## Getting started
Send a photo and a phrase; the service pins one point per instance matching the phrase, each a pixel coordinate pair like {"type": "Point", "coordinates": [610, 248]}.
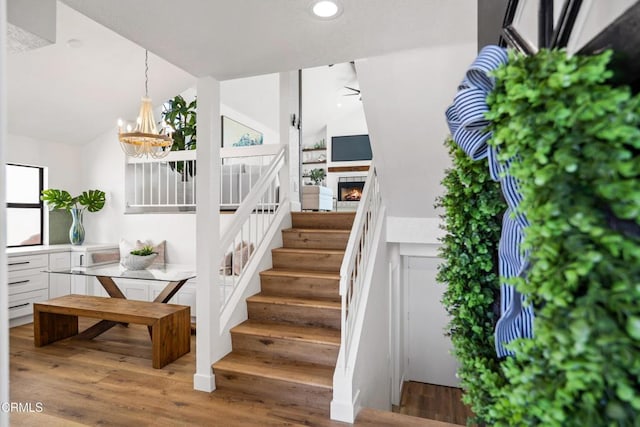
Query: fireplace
{"type": "Point", "coordinates": [350, 191]}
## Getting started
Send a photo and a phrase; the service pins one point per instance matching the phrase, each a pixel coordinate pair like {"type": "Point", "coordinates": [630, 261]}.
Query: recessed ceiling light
{"type": "Point", "coordinates": [326, 9]}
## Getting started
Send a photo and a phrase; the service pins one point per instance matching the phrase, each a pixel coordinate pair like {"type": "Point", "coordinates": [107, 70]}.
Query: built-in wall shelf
{"type": "Point", "coordinates": [314, 149]}
{"type": "Point", "coordinates": [318, 162]}
{"type": "Point", "coordinates": [349, 168]}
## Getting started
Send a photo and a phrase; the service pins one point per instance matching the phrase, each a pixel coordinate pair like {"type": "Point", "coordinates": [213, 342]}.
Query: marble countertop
{"type": "Point", "coordinates": [48, 249]}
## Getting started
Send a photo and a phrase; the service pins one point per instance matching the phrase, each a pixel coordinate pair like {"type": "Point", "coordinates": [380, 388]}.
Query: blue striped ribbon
{"type": "Point", "coordinates": [468, 126]}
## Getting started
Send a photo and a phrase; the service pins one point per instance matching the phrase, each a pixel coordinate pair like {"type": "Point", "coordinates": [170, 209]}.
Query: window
{"type": "Point", "coordinates": [24, 207]}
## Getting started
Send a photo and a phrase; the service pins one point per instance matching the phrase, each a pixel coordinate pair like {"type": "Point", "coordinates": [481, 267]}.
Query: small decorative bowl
{"type": "Point", "coordinates": [137, 262]}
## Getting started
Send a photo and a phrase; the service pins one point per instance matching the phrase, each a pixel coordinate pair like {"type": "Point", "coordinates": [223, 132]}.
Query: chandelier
{"type": "Point", "coordinates": [144, 140]}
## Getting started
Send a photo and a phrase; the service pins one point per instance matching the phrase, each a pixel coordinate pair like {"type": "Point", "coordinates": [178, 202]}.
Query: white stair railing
{"type": "Point", "coordinates": [356, 276]}
{"type": "Point", "coordinates": [251, 223]}
{"type": "Point", "coordinates": [169, 184]}
{"type": "Point", "coordinates": [355, 263]}
{"type": "Point", "coordinates": [241, 169]}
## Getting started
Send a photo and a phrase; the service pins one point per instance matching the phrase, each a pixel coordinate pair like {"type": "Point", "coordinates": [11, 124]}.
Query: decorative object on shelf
{"type": "Point", "coordinates": [180, 116]}
{"type": "Point", "coordinates": [139, 259]}
{"type": "Point", "coordinates": [235, 134]}
{"type": "Point", "coordinates": [92, 200]}
{"type": "Point", "coordinates": [144, 140]}
{"type": "Point", "coordinates": [317, 175]}
{"type": "Point", "coordinates": [322, 144]}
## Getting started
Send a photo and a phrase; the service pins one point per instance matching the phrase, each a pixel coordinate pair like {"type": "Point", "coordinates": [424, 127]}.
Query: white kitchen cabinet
{"type": "Point", "coordinates": [59, 284]}
{"type": "Point", "coordinates": [134, 289]}
{"type": "Point", "coordinates": [27, 283]}
{"type": "Point", "coordinates": [185, 296]}
{"type": "Point", "coordinates": [83, 257]}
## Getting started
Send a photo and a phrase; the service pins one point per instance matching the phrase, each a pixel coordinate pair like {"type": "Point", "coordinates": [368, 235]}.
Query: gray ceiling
{"type": "Point", "coordinates": [237, 38]}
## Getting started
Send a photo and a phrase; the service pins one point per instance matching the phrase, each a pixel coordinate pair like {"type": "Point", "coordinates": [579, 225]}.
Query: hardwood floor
{"type": "Point", "coordinates": [434, 402]}
{"type": "Point", "coordinates": [109, 381]}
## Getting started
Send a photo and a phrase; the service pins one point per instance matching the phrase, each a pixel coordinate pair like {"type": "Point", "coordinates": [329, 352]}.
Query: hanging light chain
{"type": "Point", "coordinates": [146, 73]}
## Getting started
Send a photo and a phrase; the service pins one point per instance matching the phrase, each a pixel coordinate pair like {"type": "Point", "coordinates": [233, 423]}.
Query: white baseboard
{"type": "Point", "coordinates": [346, 411]}
{"type": "Point", "coordinates": [205, 383]}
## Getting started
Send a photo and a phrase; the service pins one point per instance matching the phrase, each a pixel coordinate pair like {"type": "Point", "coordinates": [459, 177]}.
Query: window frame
{"type": "Point", "coordinates": [39, 205]}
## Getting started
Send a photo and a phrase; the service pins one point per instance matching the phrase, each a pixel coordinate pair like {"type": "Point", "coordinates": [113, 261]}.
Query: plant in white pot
{"type": "Point", "coordinates": [139, 259]}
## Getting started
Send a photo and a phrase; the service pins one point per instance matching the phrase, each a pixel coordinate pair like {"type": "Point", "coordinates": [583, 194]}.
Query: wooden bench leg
{"type": "Point", "coordinates": [51, 327]}
{"type": "Point", "coordinates": [171, 338]}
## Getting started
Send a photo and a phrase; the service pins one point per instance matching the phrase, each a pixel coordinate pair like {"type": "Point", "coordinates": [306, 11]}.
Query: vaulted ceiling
{"type": "Point", "coordinates": [76, 89]}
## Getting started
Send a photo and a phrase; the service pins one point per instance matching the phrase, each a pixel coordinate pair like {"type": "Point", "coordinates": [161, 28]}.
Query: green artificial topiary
{"type": "Point", "coordinates": [473, 208]}
{"type": "Point", "coordinates": [574, 142]}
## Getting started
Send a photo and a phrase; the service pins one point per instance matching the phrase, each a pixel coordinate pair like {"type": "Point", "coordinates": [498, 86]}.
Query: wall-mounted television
{"type": "Point", "coordinates": [350, 148]}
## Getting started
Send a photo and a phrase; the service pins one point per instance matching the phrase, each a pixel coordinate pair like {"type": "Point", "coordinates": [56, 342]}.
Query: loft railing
{"type": "Point", "coordinates": [241, 169]}
{"type": "Point", "coordinates": [161, 185]}
{"type": "Point", "coordinates": [169, 184]}
{"type": "Point", "coordinates": [251, 223]}
{"type": "Point", "coordinates": [356, 262]}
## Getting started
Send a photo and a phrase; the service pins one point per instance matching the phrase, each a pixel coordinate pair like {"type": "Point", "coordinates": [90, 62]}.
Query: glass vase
{"type": "Point", "coordinates": [76, 232]}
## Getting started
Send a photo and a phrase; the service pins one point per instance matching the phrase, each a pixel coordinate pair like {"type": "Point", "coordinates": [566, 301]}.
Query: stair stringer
{"type": "Point", "coordinates": [346, 401]}
{"type": "Point", "coordinates": [235, 311]}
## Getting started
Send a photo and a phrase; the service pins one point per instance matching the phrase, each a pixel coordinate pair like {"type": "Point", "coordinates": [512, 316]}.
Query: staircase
{"type": "Point", "coordinates": [286, 351]}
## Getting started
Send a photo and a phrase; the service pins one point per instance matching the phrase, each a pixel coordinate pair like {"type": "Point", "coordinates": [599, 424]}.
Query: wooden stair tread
{"type": "Point", "coordinates": [312, 274]}
{"type": "Point", "coordinates": [294, 301]}
{"type": "Point", "coordinates": [323, 220]}
{"type": "Point", "coordinates": [316, 230]}
{"type": "Point", "coordinates": [376, 417]}
{"type": "Point", "coordinates": [312, 334]}
{"type": "Point", "coordinates": [310, 251]}
{"type": "Point", "coordinates": [278, 369]}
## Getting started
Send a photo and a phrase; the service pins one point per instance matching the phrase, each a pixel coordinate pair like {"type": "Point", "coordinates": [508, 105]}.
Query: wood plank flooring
{"type": "Point", "coordinates": [434, 402]}
{"type": "Point", "coordinates": [109, 381]}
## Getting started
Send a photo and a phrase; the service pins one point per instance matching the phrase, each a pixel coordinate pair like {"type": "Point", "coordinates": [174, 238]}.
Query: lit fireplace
{"type": "Point", "coordinates": [350, 191]}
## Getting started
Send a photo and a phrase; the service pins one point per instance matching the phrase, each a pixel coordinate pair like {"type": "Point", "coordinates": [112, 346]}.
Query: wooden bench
{"type": "Point", "coordinates": [169, 324]}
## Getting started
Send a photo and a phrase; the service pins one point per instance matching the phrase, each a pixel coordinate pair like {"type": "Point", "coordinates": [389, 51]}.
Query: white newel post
{"type": "Point", "coordinates": [207, 233]}
{"type": "Point", "coordinates": [4, 292]}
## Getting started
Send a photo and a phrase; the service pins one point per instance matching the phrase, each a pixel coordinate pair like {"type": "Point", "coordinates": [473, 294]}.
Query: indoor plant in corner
{"type": "Point", "coordinates": [92, 200]}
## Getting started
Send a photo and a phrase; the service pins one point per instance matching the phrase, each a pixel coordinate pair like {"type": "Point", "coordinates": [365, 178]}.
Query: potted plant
{"type": "Point", "coordinates": [317, 176]}
{"type": "Point", "coordinates": [180, 116]}
{"type": "Point", "coordinates": [91, 200]}
{"type": "Point", "coordinates": [139, 259]}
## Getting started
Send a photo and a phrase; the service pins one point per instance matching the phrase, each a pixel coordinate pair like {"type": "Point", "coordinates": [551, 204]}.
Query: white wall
{"type": "Point", "coordinates": [405, 96]}
{"type": "Point", "coordinates": [372, 372]}
{"type": "Point", "coordinates": [256, 97]}
{"type": "Point", "coordinates": [63, 161]}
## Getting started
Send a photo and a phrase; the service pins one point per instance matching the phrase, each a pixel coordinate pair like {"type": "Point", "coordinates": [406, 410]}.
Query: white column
{"type": "Point", "coordinates": [289, 136]}
{"type": "Point", "coordinates": [4, 293]}
{"type": "Point", "coordinates": [207, 233]}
